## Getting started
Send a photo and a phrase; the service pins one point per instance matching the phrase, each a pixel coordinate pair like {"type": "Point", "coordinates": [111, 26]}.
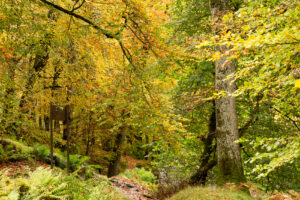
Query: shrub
{"type": "Point", "coordinates": [77, 160]}
{"type": "Point", "coordinates": [42, 153]}
{"type": "Point", "coordinates": [142, 176]}
{"type": "Point", "coordinates": [141, 173]}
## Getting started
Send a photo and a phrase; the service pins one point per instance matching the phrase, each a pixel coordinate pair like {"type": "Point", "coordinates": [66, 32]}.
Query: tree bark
{"type": "Point", "coordinates": [229, 155]}
{"type": "Point", "coordinates": [113, 168]}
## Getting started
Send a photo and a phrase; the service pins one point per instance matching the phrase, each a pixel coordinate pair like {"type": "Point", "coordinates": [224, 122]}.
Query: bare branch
{"type": "Point", "coordinates": [79, 6]}
{"type": "Point", "coordinates": [293, 121]}
{"type": "Point", "coordinates": [108, 34]}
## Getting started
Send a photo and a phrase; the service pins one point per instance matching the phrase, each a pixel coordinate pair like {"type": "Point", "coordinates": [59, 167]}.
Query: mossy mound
{"type": "Point", "coordinates": [210, 193]}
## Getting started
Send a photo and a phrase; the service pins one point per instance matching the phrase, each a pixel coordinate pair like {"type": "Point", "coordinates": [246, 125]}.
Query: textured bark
{"type": "Point", "coordinates": [229, 155]}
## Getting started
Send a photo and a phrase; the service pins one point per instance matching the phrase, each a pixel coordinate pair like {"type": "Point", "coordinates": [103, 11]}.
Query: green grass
{"type": "Point", "coordinates": [209, 193]}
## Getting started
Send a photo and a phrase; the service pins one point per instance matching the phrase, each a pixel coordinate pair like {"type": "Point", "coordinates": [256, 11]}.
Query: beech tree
{"type": "Point", "coordinates": [229, 155]}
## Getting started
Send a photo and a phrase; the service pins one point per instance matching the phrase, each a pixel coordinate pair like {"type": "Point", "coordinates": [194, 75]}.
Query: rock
{"type": "Point", "coordinates": [129, 185]}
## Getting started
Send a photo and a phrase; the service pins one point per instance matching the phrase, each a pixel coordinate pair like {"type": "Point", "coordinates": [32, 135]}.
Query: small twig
{"type": "Point", "coordinates": [282, 43]}
{"type": "Point", "coordinates": [252, 119]}
{"type": "Point", "coordinates": [79, 6]}
{"type": "Point", "coordinates": [293, 121]}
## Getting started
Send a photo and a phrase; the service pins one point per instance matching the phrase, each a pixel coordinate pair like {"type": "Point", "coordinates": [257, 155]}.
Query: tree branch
{"type": "Point", "coordinates": [79, 6]}
{"type": "Point", "coordinates": [108, 34]}
{"type": "Point", "coordinates": [293, 121]}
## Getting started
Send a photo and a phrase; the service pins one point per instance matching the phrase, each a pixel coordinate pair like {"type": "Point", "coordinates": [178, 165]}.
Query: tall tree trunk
{"type": "Point", "coordinates": [229, 155]}
{"type": "Point", "coordinates": [113, 168]}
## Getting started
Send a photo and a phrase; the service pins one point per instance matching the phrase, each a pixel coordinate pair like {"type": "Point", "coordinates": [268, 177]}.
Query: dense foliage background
{"type": "Point", "coordinates": [140, 79]}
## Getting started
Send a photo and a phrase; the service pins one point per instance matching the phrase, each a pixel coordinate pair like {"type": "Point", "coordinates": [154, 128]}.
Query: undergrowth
{"type": "Point", "coordinates": [141, 176]}
{"type": "Point", "coordinates": [11, 150]}
{"type": "Point", "coordinates": [46, 184]}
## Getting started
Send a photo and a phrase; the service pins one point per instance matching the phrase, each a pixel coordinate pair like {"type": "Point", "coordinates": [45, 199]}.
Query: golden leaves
{"type": "Point", "coordinates": [297, 83]}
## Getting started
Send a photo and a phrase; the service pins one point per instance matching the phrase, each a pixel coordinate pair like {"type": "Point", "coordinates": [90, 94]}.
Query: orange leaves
{"type": "Point", "coordinates": [8, 54]}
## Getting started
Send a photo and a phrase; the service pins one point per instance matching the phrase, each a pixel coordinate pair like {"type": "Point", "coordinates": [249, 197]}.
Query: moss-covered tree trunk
{"type": "Point", "coordinates": [229, 155]}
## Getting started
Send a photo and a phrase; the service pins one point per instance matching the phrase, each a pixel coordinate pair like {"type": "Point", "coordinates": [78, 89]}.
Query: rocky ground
{"type": "Point", "coordinates": [131, 189]}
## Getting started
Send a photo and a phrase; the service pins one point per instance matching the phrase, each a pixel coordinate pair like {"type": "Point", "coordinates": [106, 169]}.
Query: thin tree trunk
{"type": "Point", "coordinates": [40, 122]}
{"type": "Point", "coordinates": [229, 155]}
{"type": "Point", "coordinates": [47, 123]}
{"type": "Point", "coordinates": [87, 149]}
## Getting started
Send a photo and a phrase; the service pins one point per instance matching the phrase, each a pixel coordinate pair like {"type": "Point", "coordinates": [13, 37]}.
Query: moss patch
{"type": "Point", "coordinates": [210, 193]}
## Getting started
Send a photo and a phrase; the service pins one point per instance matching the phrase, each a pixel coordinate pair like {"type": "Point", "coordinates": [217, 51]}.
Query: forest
{"type": "Point", "coordinates": [149, 99]}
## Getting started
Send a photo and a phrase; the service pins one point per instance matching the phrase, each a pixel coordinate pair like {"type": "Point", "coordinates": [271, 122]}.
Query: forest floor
{"type": "Point", "coordinates": [124, 186]}
{"type": "Point", "coordinates": [134, 191]}
{"type": "Point", "coordinates": [131, 189]}
{"type": "Point", "coordinates": [20, 167]}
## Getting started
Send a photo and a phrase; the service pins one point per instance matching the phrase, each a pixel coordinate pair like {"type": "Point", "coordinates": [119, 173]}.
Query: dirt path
{"type": "Point", "coordinates": [131, 189]}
